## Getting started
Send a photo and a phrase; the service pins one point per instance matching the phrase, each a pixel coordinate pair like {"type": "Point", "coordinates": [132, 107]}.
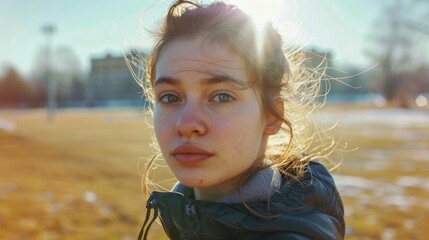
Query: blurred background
{"type": "Point", "coordinates": [73, 134]}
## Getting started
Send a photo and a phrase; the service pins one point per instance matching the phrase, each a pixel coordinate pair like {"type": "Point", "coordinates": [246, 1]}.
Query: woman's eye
{"type": "Point", "coordinates": [169, 98]}
{"type": "Point", "coordinates": [222, 98]}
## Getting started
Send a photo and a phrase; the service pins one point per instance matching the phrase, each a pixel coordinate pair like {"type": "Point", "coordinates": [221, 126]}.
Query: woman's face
{"type": "Point", "coordinates": [208, 122]}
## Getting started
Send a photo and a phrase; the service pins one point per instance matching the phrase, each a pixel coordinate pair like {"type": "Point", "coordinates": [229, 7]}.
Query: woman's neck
{"type": "Point", "coordinates": [219, 192]}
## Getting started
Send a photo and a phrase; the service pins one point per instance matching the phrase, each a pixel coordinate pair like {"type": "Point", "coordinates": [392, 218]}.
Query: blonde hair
{"type": "Point", "coordinates": [273, 71]}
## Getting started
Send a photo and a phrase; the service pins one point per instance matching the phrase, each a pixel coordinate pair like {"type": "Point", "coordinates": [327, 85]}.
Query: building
{"type": "Point", "coordinates": [111, 83]}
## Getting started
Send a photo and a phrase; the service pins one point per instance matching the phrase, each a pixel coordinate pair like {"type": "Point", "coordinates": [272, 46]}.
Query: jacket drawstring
{"type": "Point", "coordinates": [151, 204]}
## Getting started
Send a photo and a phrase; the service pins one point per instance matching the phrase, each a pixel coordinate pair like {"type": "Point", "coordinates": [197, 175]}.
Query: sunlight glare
{"type": "Point", "coordinates": [261, 11]}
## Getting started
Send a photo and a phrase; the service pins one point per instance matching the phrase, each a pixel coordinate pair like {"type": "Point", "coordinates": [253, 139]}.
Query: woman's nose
{"type": "Point", "coordinates": [191, 121]}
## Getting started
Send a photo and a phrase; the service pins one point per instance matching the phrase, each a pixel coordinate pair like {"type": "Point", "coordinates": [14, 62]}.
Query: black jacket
{"type": "Point", "coordinates": [307, 209]}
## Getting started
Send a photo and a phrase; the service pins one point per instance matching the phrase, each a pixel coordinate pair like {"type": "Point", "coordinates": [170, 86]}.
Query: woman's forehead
{"type": "Point", "coordinates": [198, 55]}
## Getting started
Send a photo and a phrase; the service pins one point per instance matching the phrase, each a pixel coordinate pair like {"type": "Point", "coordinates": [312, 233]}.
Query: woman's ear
{"type": "Point", "coordinates": [274, 124]}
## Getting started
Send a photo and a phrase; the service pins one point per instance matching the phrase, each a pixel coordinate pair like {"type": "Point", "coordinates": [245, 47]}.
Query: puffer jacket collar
{"type": "Point", "coordinates": [307, 209]}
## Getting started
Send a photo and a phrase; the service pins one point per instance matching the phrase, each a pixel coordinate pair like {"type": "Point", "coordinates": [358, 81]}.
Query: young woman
{"type": "Point", "coordinates": [231, 117]}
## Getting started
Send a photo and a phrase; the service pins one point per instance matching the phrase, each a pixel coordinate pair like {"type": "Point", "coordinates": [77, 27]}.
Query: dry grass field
{"type": "Point", "coordinates": [385, 182]}
{"type": "Point", "coordinates": [78, 176]}
{"type": "Point", "coordinates": [74, 178]}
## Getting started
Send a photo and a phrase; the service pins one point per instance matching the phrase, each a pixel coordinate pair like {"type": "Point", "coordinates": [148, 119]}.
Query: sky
{"type": "Point", "coordinates": [94, 28]}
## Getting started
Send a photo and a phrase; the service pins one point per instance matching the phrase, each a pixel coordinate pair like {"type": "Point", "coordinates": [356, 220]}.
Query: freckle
{"type": "Point", "coordinates": [201, 181]}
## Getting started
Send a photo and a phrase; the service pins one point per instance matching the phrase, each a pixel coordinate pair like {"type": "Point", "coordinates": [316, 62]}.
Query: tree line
{"type": "Point", "coordinates": [17, 92]}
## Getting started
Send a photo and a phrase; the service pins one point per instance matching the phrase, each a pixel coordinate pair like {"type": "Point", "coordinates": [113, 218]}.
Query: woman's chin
{"type": "Point", "coordinates": [194, 183]}
{"type": "Point", "coordinates": [193, 177]}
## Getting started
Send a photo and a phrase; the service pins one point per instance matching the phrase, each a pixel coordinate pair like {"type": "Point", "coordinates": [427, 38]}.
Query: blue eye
{"type": "Point", "coordinates": [169, 98]}
{"type": "Point", "coordinates": [222, 98]}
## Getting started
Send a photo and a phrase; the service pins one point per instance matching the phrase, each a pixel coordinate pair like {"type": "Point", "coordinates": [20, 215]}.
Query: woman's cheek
{"type": "Point", "coordinates": [160, 130]}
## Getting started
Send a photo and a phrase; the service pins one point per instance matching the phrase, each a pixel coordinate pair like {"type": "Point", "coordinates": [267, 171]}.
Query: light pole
{"type": "Point", "coordinates": [49, 30]}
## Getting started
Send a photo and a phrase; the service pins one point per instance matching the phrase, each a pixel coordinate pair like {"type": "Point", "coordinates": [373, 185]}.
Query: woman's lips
{"type": "Point", "coordinates": [190, 154]}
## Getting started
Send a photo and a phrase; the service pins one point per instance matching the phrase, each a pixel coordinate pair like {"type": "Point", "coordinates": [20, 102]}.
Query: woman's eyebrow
{"type": "Point", "coordinates": [166, 80]}
{"type": "Point", "coordinates": [224, 79]}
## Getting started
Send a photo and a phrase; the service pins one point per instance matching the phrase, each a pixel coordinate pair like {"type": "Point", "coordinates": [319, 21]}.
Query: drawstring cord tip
{"type": "Point", "coordinates": [151, 204]}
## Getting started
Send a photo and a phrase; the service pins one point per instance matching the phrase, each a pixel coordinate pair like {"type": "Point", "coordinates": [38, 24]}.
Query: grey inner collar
{"type": "Point", "coordinates": [259, 187]}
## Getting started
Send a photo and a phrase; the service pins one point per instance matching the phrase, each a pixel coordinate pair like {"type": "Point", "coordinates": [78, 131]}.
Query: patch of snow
{"type": "Point", "coordinates": [6, 125]}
